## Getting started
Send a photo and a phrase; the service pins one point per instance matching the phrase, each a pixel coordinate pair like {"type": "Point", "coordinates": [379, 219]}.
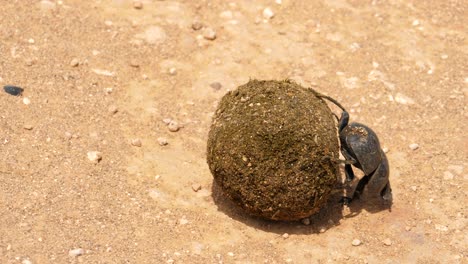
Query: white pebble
{"type": "Point", "coordinates": [385, 150]}
{"type": "Point", "coordinates": [458, 169]}
{"type": "Point", "coordinates": [268, 13]}
{"type": "Point", "coordinates": [448, 175]}
{"type": "Point", "coordinates": [414, 146]}
{"type": "Point", "coordinates": [279, 2]}
{"type": "Point", "coordinates": [26, 261]}
{"type": "Point", "coordinates": [162, 141]}
{"type": "Point", "coordinates": [31, 41]}
{"type": "Point", "coordinates": [172, 71]}
{"type": "Point", "coordinates": [137, 4]}
{"type": "Point", "coordinates": [94, 156]}
{"type": "Point", "coordinates": [209, 33]}
{"type": "Point", "coordinates": [173, 126]}
{"type": "Point", "coordinates": [183, 221]}
{"type": "Point", "coordinates": [285, 235]}
{"type": "Point", "coordinates": [136, 142]}
{"type": "Point", "coordinates": [196, 187]}
{"type": "Point", "coordinates": [387, 242]}
{"type": "Point", "coordinates": [403, 99]}
{"type": "Point", "coordinates": [416, 22]}
{"type": "Point", "coordinates": [414, 188]}
{"type": "Point", "coordinates": [356, 242]}
{"type": "Point", "coordinates": [226, 14]}
{"type": "Point", "coordinates": [76, 252]}
{"type": "Point", "coordinates": [26, 101]}
{"type": "Point", "coordinates": [306, 221]}
{"type": "Point", "coordinates": [74, 62]}
{"type": "Point", "coordinates": [108, 90]}
{"type": "Point", "coordinates": [113, 109]}
{"type": "Point", "coordinates": [231, 254]}
{"type": "Point", "coordinates": [441, 228]}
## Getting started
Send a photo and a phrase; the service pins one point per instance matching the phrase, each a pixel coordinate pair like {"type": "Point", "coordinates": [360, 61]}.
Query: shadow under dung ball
{"type": "Point", "coordinates": [272, 149]}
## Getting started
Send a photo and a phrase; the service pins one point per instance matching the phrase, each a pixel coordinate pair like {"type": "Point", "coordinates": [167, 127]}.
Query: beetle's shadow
{"type": "Point", "coordinates": [329, 216]}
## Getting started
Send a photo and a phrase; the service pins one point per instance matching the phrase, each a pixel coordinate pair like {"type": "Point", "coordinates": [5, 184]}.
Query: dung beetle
{"type": "Point", "coordinates": [361, 148]}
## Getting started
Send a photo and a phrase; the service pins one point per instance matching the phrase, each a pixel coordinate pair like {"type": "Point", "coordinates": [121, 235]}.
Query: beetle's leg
{"type": "Point", "coordinates": [379, 184]}
{"type": "Point", "coordinates": [351, 185]}
{"type": "Point", "coordinates": [343, 122]}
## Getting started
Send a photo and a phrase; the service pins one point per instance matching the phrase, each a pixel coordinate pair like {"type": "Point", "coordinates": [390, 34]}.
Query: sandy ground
{"type": "Point", "coordinates": [100, 75]}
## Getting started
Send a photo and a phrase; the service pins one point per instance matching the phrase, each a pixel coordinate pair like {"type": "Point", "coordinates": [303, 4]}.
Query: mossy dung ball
{"type": "Point", "coordinates": [272, 149]}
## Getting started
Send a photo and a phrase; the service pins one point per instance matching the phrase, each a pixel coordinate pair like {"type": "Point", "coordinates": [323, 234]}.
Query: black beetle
{"type": "Point", "coordinates": [361, 148]}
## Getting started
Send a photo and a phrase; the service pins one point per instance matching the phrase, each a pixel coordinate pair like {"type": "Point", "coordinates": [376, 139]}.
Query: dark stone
{"type": "Point", "coordinates": [13, 90]}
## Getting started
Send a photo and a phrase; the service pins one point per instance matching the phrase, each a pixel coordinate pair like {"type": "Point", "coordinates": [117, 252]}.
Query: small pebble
{"type": "Point", "coordinates": [385, 150]}
{"type": "Point", "coordinates": [13, 90]}
{"type": "Point", "coordinates": [172, 71]}
{"type": "Point", "coordinates": [94, 156]}
{"type": "Point", "coordinates": [322, 230]}
{"type": "Point", "coordinates": [268, 13]}
{"type": "Point", "coordinates": [448, 175]}
{"type": "Point", "coordinates": [183, 221]}
{"type": "Point", "coordinates": [113, 109]}
{"type": "Point", "coordinates": [458, 169]}
{"type": "Point", "coordinates": [26, 261]}
{"type": "Point", "coordinates": [414, 188]}
{"type": "Point", "coordinates": [173, 126]}
{"type": "Point", "coordinates": [306, 221]}
{"type": "Point", "coordinates": [231, 254]}
{"type": "Point", "coordinates": [136, 142]}
{"type": "Point", "coordinates": [74, 62]}
{"type": "Point", "coordinates": [387, 242]}
{"type": "Point", "coordinates": [209, 33]}
{"type": "Point", "coordinates": [167, 121]}
{"type": "Point", "coordinates": [356, 242]}
{"type": "Point", "coordinates": [216, 86]}
{"type": "Point", "coordinates": [28, 127]}
{"type": "Point", "coordinates": [134, 63]}
{"type": "Point", "coordinates": [108, 90]}
{"type": "Point", "coordinates": [285, 235]}
{"type": "Point", "coordinates": [26, 101]}
{"type": "Point", "coordinates": [414, 146]}
{"type": "Point", "coordinates": [196, 187]}
{"type": "Point", "coordinates": [137, 4]}
{"type": "Point", "coordinates": [76, 252]}
{"type": "Point", "coordinates": [162, 141]}
{"type": "Point", "coordinates": [197, 25]}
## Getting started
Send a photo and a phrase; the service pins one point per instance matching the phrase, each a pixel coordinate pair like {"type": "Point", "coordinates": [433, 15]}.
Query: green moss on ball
{"type": "Point", "coordinates": [272, 149]}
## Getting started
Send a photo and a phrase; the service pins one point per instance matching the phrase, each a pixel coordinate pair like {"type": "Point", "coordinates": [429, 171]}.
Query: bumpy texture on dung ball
{"type": "Point", "coordinates": [272, 149]}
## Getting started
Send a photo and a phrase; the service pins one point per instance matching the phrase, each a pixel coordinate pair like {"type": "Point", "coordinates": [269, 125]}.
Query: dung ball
{"type": "Point", "coordinates": [272, 149]}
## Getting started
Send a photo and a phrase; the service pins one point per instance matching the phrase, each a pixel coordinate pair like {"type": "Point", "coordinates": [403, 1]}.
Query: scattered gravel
{"type": "Point", "coordinates": [356, 242]}
{"type": "Point", "coordinates": [94, 156]}
{"type": "Point", "coordinates": [162, 141]}
{"type": "Point", "coordinates": [136, 142]}
{"type": "Point", "coordinates": [209, 33]}
{"type": "Point", "coordinates": [414, 146]}
{"type": "Point", "coordinates": [76, 252]}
